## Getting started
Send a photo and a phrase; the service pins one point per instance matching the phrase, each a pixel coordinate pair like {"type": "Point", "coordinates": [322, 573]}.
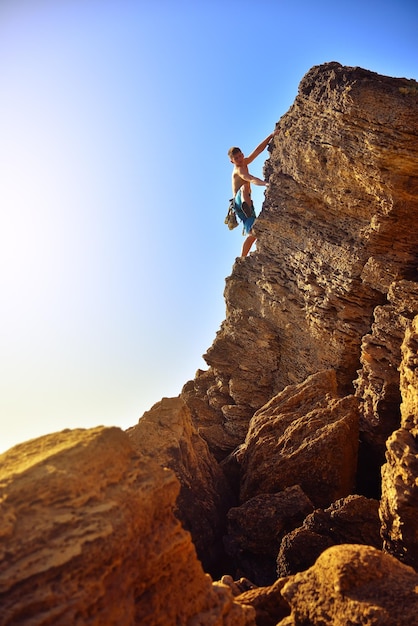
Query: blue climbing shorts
{"type": "Point", "coordinates": [248, 222]}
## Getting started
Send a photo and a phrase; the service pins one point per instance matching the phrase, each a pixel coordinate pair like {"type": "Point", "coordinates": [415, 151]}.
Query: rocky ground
{"type": "Point", "coordinates": [286, 472]}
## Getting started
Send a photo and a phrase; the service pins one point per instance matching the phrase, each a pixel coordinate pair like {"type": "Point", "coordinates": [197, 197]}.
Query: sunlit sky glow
{"type": "Point", "coordinates": [115, 120]}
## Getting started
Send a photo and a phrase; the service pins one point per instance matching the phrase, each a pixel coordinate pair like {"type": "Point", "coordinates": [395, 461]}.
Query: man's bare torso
{"type": "Point", "coordinates": [237, 181]}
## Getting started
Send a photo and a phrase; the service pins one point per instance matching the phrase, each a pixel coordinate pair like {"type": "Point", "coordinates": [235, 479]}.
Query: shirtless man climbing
{"type": "Point", "coordinates": [241, 188]}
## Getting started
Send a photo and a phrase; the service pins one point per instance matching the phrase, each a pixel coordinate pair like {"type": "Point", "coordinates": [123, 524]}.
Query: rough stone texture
{"type": "Point", "coordinates": [338, 226]}
{"type": "Point", "coordinates": [256, 528]}
{"type": "Point", "coordinates": [377, 385]}
{"type": "Point", "coordinates": [88, 536]}
{"type": "Point", "coordinates": [166, 435]}
{"type": "Point", "coordinates": [409, 378]}
{"type": "Point", "coordinates": [399, 503]}
{"type": "Point", "coordinates": [354, 519]}
{"type": "Point", "coordinates": [205, 396]}
{"type": "Point", "coordinates": [354, 585]}
{"type": "Point", "coordinates": [304, 436]}
{"type": "Point", "coordinates": [268, 602]}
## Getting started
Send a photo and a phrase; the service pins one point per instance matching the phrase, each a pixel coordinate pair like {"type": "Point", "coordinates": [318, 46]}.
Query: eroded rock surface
{"type": "Point", "coordinates": [305, 436]}
{"type": "Point", "coordinates": [166, 435]}
{"type": "Point", "coordinates": [89, 536]}
{"type": "Point", "coordinates": [337, 228]}
{"type": "Point", "coordinates": [354, 519]}
{"type": "Point", "coordinates": [378, 383]}
{"type": "Point", "coordinates": [399, 503]}
{"type": "Point", "coordinates": [256, 529]}
{"type": "Point", "coordinates": [351, 584]}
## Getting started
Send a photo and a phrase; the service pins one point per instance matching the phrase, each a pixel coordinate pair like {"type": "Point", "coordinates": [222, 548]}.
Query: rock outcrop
{"type": "Point", "coordinates": [256, 530]}
{"type": "Point", "coordinates": [304, 436]}
{"type": "Point", "coordinates": [273, 456]}
{"type": "Point", "coordinates": [337, 229]}
{"type": "Point", "coordinates": [166, 435]}
{"type": "Point", "coordinates": [378, 382]}
{"type": "Point", "coordinates": [88, 536]}
{"type": "Point", "coordinates": [399, 503]}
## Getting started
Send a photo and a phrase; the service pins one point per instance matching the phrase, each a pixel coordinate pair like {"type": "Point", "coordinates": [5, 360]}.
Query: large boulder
{"type": "Point", "coordinates": [353, 584]}
{"type": "Point", "coordinates": [307, 435]}
{"type": "Point", "coordinates": [354, 519]}
{"type": "Point", "coordinates": [89, 536]}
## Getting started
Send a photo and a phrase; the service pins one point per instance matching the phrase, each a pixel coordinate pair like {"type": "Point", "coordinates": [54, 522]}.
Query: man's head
{"type": "Point", "coordinates": [235, 154]}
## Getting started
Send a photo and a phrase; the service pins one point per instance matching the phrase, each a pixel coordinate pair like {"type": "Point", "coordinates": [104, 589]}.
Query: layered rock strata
{"type": "Point", "coordinates": [399, 503]}
{"type": "Point", "coordinates": [89, 536]}
{"type": "Point", "coordinates": [338, 226]}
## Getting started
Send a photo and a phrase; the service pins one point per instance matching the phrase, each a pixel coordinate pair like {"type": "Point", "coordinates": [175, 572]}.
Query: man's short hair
{"type": "Point", "coordinates": [233, 151]}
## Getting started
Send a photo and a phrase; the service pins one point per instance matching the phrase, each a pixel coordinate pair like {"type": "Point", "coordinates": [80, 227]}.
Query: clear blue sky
{"type": "Point", "coordinates": [115, 120]}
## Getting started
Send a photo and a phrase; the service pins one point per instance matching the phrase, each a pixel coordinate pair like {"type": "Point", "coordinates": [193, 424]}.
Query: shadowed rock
{"type": "Point", "coordinates": [166, 435]}
{"type": "Point", "coordinates": [399, 503]}
{"type": "Point", "coordinates": [256, 528]}
{"type": "Point", "coordinates": [354, 519]}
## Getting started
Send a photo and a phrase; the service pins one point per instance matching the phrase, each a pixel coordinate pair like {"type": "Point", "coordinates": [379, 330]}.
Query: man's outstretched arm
{"type": "Point", "coordinates": [245, 175]}
{"type": "Point", "coordinates": [259, 149]}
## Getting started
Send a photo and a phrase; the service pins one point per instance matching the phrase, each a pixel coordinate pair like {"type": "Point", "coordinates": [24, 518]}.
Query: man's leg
{"type": "Point", "coordinates": [246, 247]}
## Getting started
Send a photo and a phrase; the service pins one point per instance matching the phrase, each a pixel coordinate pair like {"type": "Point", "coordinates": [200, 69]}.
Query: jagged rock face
{"type": "Point", "coordinates": [378, 382]}
{"type": "Point", "coordinates": [256, 529]}
{"type": "Point", "coordinates": [354, 519]}
{"type": "Point", "coordinates": [307, 436]}
{"type": "Point", "coordinates": [338, 226]}
{"type": "Point", "coordinates": [399, 503]}
{"type": "Point", "coordinates": [88, 536]}
{"type": "Point", "coordinates": [348, 584]}
{"type": "Point", "coordinates": [166, 435]}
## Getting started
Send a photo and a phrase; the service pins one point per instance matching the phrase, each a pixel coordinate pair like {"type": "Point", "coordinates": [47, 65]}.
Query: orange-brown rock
{"type": "Point", "coordinates": [256, 529]}
{"type": "Point", "coordinates": [88, 536]}
{"type": "Point", "coordinates": [337, 228]}
{"type": "Point", "coordinates": [354, 519]}
{"type": "Point", "coordinates": [399, 502]}
{"type": "Point", "coordinates": [351, 584]}
{"type": "Point", "coordinates": [166, 435]}
{"type": "Point", "coordinates": [268, 602]}
{"type": "Point", "coordinates": [305, 436]}
{"type": "Point", "coordinates": [378, 382]}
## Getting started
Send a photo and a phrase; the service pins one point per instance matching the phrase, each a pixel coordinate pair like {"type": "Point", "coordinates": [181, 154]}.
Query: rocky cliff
{"type": "Point", "coordinates": [288, 469]}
